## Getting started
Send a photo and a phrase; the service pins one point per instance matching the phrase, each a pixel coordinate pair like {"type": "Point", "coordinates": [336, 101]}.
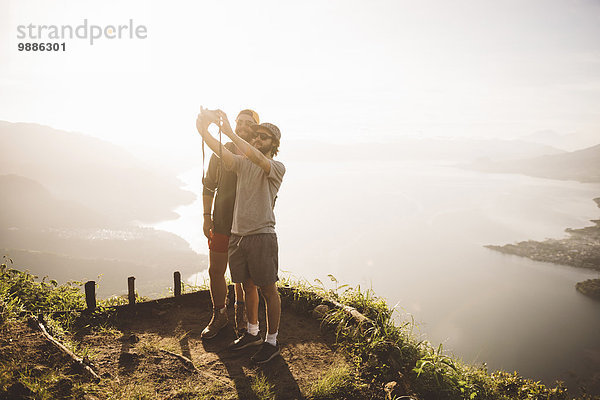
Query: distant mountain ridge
{"type": "Point", "coordinates": [581, 165]}
{"type": "Point", "coordinates": [569, 142]}
{"type": "Point", "coordinates": [70, 207]}
{"type": "Point", "coordinates": [26, 203]}
{"type": "Point", "coordinates": [429, 149]}
{"type": "Point", "coordinates": [95, 173]}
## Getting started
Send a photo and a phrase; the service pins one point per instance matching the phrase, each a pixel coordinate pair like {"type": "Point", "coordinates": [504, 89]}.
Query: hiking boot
{"type": "Point", "coordinates": [241, 322]}
{"type": "Point", "coordinates": [266, 353]}
{"type": "Point", "coordinates": [219, 321]}
{"type": "Point", "coordinates": [246, 340]}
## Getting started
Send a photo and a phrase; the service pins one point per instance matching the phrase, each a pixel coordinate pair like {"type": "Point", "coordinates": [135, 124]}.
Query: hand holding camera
{"type": "Point", "coordinates": [207, 117]}
{"type": "Point", "coordinates": [204, 119]}
{"type": "Point", "coordinates": [226, 127]}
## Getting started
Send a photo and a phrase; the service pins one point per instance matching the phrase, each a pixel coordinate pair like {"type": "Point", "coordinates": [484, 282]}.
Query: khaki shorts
{"type": "Point", "coordinates": [254, 257]}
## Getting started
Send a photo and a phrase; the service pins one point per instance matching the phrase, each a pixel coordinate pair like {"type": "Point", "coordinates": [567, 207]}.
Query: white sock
{"type": "Point", "coordinates": [272, 338]}
{"type": "Point", "coordinates": [252, 329]}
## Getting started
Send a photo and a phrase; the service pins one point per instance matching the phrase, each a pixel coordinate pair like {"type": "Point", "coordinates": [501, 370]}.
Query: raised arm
{"type": "Point", "coordinates": [246, 148]}
{"type": "Point", "coordinates": [208, 193]}
{"type": "Point", "coordinates": [202, 123]}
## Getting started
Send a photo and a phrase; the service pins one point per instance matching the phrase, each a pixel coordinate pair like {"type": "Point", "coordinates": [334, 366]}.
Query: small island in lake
{"type": "Point", "coordinates": [581, 249]}
{"type": "Point", "coordinates": [590, 288]}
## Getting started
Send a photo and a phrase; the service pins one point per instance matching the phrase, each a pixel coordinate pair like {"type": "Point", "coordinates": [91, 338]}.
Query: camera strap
{"type": "Point", "coordinates": [220, 154]}
{"type": "Point", "coordinates": [203, 156]}
{"type": "Point", "coordinates": [220, 157]}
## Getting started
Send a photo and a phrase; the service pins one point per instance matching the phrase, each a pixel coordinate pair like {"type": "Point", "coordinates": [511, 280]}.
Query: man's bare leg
{"type": "Point", "coordinates": [218, 293]}
{"type": "Point", "coordinates": [218, 289]}
{"type": "Point", "coordinates": [239, 293]}
{"type": "Point", "coordinates": [241, 322]}
{"type": "Point", "coordinates": [251, 337]}
{"type": "Point", "coordinates": [270, 347]}
{"type": "Point", "coordinates": [218, 286]}
{"type": "Point", "coordinates": [273, 303]}
{"type": "Point", "coordinates": [251, 296]}
{"type": "Point", "coordinates": [216, 272]}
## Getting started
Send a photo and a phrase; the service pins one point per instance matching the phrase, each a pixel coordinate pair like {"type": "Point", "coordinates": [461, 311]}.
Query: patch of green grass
{"type": "Point", "coordinates": [10, 307]}
{"type": "Point", "coordinates": [107, 329]}
{"type": "Point", "coordinates": [146, 348]}
{"type": "Point", "coordinates": [141, 390]}
{"type": "Point", "coordinates": [119, 300]}
{"type": "Point", "coordinates": [7, 373]}
{"type": "Point", "coordinates": [189, 288]}
{"type": "Point", "coordinates": [86, 351]}
{"type": "Point", "coordinates": [20, 292]}
{"type": "Point", "coordinates": [261, 387]}
{"type": "Point", "coordinates": [202, 282]}
{"type": "Point", "coordinates": [383, 351]}
{"type": "Point", "coordinates": [114, 301]}
{"type": "Point", "coordinates": [335, 383]}
{"type": "Point", "coordinates": [42, 383]}
{"type": "Point", "coordinates": [193, 390]}
{"type": "Point", "coordinates": [40, 386]}
{"type": "Point", "coordinates": [378, 349]}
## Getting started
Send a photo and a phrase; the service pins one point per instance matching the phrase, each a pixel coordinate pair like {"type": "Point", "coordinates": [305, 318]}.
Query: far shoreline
{"type": "Point", "coordinates": [581, 249]}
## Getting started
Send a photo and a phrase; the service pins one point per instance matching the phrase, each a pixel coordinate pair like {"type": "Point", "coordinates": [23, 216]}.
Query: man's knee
{"type": "Point", "coordinates": [269, 291]}
{"type": "Point", "coordinates": [217, 268]}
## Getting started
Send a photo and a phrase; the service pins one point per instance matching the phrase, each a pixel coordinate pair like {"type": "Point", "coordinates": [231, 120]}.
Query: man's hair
{"type": "Point", "coordinates": [253, 114]}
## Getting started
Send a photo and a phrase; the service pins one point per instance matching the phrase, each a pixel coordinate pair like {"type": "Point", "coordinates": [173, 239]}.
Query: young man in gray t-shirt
{"type": "Point", "coordinates": [253, 249]}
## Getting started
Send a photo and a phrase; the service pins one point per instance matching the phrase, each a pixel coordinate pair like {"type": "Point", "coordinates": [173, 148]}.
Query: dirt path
{"type": "Point", "coordinates": [138, 355]}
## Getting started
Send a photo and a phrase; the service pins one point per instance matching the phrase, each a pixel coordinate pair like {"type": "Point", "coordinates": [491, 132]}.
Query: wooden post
{"type": "Point", "coordinates": [177, 283]}
{"type": "Point", "coordinates": [131, 290]}
{"type": "Point", "coordinates": [90, 295]}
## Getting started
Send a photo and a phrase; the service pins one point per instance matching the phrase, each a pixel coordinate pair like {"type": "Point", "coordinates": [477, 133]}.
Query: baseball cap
{"type": "Point", "coordinates": [273, 130]}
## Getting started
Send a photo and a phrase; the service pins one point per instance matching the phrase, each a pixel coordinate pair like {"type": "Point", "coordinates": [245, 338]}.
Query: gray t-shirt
{"type": "Point", "coordinates": [255, 196]}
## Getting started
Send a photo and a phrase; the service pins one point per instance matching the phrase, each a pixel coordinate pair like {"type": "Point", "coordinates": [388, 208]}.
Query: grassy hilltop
{"type": "Point", "coordinates": [336, 344]}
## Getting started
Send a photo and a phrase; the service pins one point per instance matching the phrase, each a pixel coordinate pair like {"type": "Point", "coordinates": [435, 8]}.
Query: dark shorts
{"type": "Point", "coordinates": [218, 242]}
{"type": "Point", "coordinates": [255, 257]}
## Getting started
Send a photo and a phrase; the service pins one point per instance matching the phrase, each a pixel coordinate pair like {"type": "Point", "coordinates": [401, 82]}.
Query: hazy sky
{"type": "Point", "coordinates": [332, 70]}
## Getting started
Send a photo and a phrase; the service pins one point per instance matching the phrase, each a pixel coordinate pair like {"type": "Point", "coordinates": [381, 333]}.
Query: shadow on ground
{"type": "Point", "coordinates": [154, 342]}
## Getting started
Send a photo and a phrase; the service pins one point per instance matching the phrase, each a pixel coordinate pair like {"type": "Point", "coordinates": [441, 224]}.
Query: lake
{"type": "Point", "coordinates": [414, 232]}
